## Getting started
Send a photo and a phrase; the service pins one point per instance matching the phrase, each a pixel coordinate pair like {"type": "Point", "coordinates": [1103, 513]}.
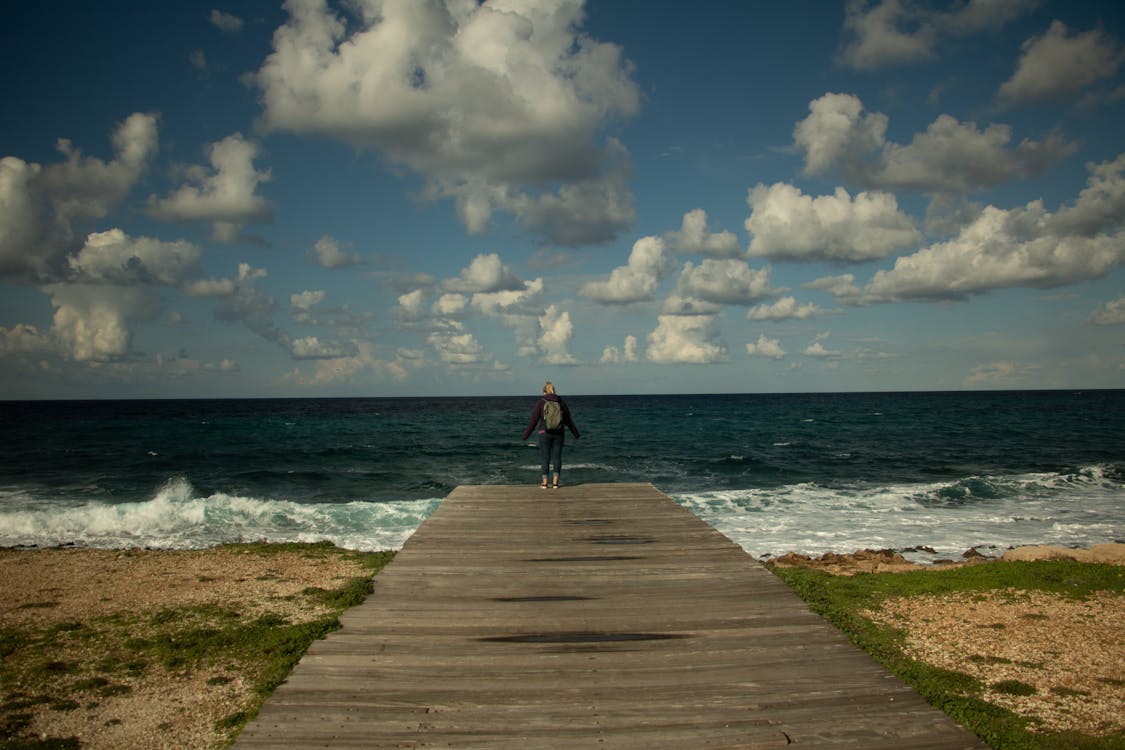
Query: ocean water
{"type": "Point", "coordinates": [809, 473]}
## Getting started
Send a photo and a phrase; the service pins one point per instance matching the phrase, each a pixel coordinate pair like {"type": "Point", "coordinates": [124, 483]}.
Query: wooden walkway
{"type": "Point", "coordinates": [594, 616]}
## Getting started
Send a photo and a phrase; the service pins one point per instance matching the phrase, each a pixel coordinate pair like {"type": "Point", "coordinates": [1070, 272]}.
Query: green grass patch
{"type": "Point", "coordinates": [841, 599]}
{"type": "Point", "coordinates": [38, 672]}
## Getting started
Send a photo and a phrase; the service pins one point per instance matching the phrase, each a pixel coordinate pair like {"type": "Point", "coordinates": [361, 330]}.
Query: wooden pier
{"type": "Point", "coordinates": [593, 616]}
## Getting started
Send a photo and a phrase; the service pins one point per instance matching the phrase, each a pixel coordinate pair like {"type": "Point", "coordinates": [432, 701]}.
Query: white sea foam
{"type": "Point", "coordinates": [175, 518]}
{"type": "Point", "coordinates": [1078, 509]}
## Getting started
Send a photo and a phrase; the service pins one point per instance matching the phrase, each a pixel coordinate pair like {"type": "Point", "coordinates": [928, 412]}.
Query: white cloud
{"type": "Point", "coordinates": [510, 301]}
{"type": "Point", "coordinates": [1057, 65]}
{"type": "Point", "coordinates": [1021, 247]}
{"type": "Point", "coordinates": [838, 136]}
{"type": "Point", "coordinates": [410, 305]}
{"type": "Point", "coordinates": [112, 257]}
{"type": "Point", "coordinates": [1112, 313]}
{"type": "Point", "coordinates": [349, 368]}
{"type": "Point", "coordinates": [787, 308]}
{"type": "Point", "coordinates": [481, 99]}
{"type": "Point", "coordinates": [307, 299]}
{"type": "Point", "coordinates": [843, 287]}
{"type": "Point", "coordinates": [247, 272]}
{"type": "Point", "coordinates": [330, 254]}
{"type": "Point", "coordinates": [556, 333]}
{"type": "Point", "coordinates": [224, 194]}
{"type": "Point", "coordinates": [450, 304]}
{"type": "Point", "coordinates": [611, 355]}
{"type": "Point", "coordinates": [311, 347]}
{"type": "Point", "coordinates": [457, 348]}
{"type": "Point", "coordinates": [39, 205]}
{"type": "Point", "coordinates": [637, 280]}
{"type": "Point", "coordinates": [486, 273]}
{"type": "Point", "coordinates": [92, 323]}
{"type": "Point", "coordinates": [226, 21]}
{"type": "Point", "coordinates": [788, 225]}
{"type": "Point", "coordinates": [686, 339]}
{"type": "Point", "coordinates": [724, 282]}
{"type": "Point", "coordinates": [766, 347]}
{"type": "Point", "coordinates": [899, 32]}
{"type": "Point", "coordinates": [816, 348]}
{"type": "Point", "coordinates": [694, 236]}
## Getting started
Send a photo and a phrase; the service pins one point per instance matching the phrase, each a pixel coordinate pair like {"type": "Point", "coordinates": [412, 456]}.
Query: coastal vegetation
{"type": "Point", "coordinates": [226, 655]}
{"type": "Point", "coordinates": [957, 635]}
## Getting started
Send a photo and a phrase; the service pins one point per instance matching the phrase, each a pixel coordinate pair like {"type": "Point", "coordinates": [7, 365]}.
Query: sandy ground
{"type": "Point", "coordinates": [1079, 678]}
{"type": "Point", "coordinates": [160, 708]}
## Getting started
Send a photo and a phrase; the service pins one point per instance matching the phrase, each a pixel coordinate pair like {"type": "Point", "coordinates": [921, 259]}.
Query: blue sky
{"type": "Point", "coordinates": [427, 198]}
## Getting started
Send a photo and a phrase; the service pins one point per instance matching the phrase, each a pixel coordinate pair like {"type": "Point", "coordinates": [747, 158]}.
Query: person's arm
{"type": "Point", "coordinates": [536, 415]}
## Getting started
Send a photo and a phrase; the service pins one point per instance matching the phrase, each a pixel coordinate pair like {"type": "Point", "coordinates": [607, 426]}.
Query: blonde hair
{"type": "Point", "coordinates": [549, 388]}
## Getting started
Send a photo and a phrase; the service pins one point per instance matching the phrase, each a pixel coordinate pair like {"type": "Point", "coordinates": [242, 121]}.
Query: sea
{"type": "Point", "coordinates": [931, 475]}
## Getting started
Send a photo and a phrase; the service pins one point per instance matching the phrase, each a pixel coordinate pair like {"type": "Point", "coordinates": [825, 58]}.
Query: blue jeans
{"type": "Point", "coordinates": [550, 451]}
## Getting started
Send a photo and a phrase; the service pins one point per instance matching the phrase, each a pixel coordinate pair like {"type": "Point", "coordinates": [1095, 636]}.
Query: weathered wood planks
{"type": "Point", "coordinates": [594, 616]}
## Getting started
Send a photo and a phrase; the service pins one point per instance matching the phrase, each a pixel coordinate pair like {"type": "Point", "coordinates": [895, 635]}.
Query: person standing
{"type": "Point", "coordinates": [552, 417]}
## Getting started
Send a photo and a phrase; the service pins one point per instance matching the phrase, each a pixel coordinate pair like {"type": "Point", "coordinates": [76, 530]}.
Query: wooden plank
{"type": "Point", "coordinates": [601, 615]}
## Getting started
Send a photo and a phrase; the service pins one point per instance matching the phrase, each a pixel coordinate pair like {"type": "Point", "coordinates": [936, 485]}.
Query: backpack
{"type": "Point", "coordinates": [552, 415]}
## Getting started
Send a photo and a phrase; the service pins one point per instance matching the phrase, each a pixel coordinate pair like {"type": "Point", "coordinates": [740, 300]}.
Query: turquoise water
{"type": "Point", "coordinates": [810, 473]}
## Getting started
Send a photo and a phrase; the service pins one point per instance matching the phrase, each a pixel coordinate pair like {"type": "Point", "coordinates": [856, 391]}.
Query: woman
{"type": "Point", "coordinates": [551, 416]}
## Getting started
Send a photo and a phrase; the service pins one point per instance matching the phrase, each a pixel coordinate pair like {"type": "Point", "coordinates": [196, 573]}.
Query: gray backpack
{"type": "Point", "coordinates": [552, 415]}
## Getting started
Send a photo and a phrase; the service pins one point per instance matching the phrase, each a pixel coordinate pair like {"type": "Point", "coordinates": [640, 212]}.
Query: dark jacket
{"type": "Point", "coordinates": [537, 416]}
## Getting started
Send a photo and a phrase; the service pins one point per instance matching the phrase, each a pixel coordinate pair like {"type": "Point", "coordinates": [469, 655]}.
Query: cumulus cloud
{"type": "Point", "coordinates": [1112, 313]}
{"type": "Point", "coordinates": [556, 333]}
{"type": "Point", "coordinates": [724, 282]}
{"type": "Point", "coordinates": [611, 355]}
{"type": "Point", "coordinates": [307, 299]}
{"type": "Point", "coordinates": [458, 348]}
{"type": "Point", "coordinates": [787, 308]}
{"type": "Point", "coordinates": [224, 194]}
{"type": "Point", "coordinates": [510, 301]}
{"type": "Point", "coordinates": [93, 323]}
{"type": "Point", "coordinates": [1021, 247]}
{"type": "Point", "coordinates": [486, 273]}
{"type": "Point", "coordinates": [1058, 64]}
{"type": "Point", "coordinates": [483, 100]}
{"type": "Point", "coordinates": [843, 287]}
{"type": "Point", "coordinates": [840, 137]}
{"type": "Point", "coordinates": [330, 254]}
{"type": "Point", "coordinates": [637, 280]}
{"type": "Point", "coordinates": [40, 205]}
{"type": "Point", "coordinates": [517, 309]}
{"type": "Point", "coordinates": [695, 236]}
{"type": "Point", "coordinates": [311, 347]}
{"type": "Point", "coordinates": [689, 339]}
{"type": "Point", "coordinates": [898, 32]}
{"type": "Point", "coordinates": [765, 347]}
{"type": "Point", "coordinates": [410, 305]}
{"type": "Point", "coordinates": [450, 304]}
{"type": "Point", "coordinates": [817, 349]}
{"type": "Point", "coordinates": [363, 360]}
{"type": "Point", "coordinates": [112, 257]}
{"type": "Point", "coordinates": [788, 225]}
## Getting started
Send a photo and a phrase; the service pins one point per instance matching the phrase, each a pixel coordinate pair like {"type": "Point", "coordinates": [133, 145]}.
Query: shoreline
{"type": "Point", "coordinates": [81, 605]}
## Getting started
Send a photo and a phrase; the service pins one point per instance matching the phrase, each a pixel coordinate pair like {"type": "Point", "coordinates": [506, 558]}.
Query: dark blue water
{"type": "Point", "coordinates": [813, 472]}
